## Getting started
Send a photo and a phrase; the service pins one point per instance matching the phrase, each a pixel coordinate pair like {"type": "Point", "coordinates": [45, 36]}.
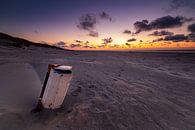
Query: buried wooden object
{"type": "Point", "coordinates": [55, 87]}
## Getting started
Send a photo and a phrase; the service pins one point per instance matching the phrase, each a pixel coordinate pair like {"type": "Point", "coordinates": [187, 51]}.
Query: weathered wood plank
{"type": "Point", "coordinates": [57, 86]}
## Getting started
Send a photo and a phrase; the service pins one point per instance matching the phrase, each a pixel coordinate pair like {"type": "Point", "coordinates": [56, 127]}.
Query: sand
{"type": "Point", "coordinates": [109, 90]}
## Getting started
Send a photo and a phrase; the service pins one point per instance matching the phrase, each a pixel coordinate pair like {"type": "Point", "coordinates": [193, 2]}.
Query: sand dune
{"type": "Point", "coordinates": [109, 90]}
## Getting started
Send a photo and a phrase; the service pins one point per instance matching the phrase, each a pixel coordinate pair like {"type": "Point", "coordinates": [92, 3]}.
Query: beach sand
{"type": "Point", "coordinates": [109, 90]}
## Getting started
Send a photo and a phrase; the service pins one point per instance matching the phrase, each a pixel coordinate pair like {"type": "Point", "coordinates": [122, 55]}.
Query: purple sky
{"type": "Point", "coordinates": [53, 21]}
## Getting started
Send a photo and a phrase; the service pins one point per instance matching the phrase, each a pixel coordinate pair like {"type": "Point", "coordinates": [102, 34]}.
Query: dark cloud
{"type": "Point", "coordinates": [87, 42]}
{"type": "Point", "coordinates": [191, 37]}
{"type": "Point", "coordinates": [140, 40]}
{"type": "Point", "coordinates": [161, 33]}
{"type": "Point", "coordinates": [78, 41]}
{"type": "Point", "coordinates": [127, 31]}
{"type": "Point", "coordinates": [104, 15]}
{"type": "Point", "coordinates": [176, 38]}
{"type": "Point", "coordinates": [82, 42]}
{"type": "Point", "coordinates": [116, 46]}
{"type": "Point", "coordinates": [161, 23]}
{"type": "Point", "coordinates": [107, 40]}
{"type": "Point", "coordinates": [87, 22]}
{"type": "Point", "coordinates": [191, 28]}
{"type": "Point", "coordinates": [141, 26]}
{"type": "Point", "coordinates": [93, 34]}
{"type": "Point", "coordinates": [88, 46]}
{"type": "Point", "coordinates": [158, 40]}
{"type": "Point", "coordinates": [82, 45]}
{"type": "Point", "coordinates": [61, 44]}
{"type": "Point", "coordinates": [167, 42]}
{"type": "Point", "coordinates": [74, 45]}
{"type": "Point", "coordinates": [131, 40]}
{"type": "Point", "coordinates": [101, 46]}
{"type": "Point", "coordinates": [127, 44]}
{"type": "Point", "coordinates": [181, 4]}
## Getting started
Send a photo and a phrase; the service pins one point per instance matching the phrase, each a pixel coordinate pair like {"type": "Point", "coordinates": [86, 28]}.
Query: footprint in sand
{"type": "Point", "coordinates": [76, 92]}
{"type": "Point", "coordinates": [91, 86]}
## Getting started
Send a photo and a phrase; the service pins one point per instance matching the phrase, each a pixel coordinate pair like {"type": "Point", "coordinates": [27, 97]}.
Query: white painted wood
{"type": "Point", "coordinates": [57, 87]}
{"type": "Point", "coordinates": [62, 67]}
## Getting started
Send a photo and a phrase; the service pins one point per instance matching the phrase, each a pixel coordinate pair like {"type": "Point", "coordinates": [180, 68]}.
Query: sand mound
{"type": "Point", "coordinates": [20, 87]}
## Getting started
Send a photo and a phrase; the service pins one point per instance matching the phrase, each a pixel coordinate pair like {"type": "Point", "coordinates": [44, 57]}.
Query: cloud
{"type": "Point", "coordinates": [93, 34]}
{"type": "Point", "coordinates": [86, 43]}
{"type": "Point", "coordinates": [161, 33]}
{"type": "Point", "coordinates": [61, 44]}
{"type": "Point", "coordinates": [160, 23]}
{"type": "Point", "coordinates": [127, 44]}
{"type": "Point", "coordinates": [131, 40]}
{"type": "Point", "coordinates": [102, 46]}
{"type": "Point", "coordinates": [181, 4]}
{"type": "Point", "coordinates": [127, 31]}
{"type": "Point", "coordinates": [104, 15]}
{"type": "Point", "coordinates": [87, 22]}
{"type": "Point", "coordinates": [176, 38]}
{"type": "Point", "coordinates": [74, 45]}
{"type": "Point", "coordinates": [116, 46]}
{"type": "Point", "coordinates": [141, 26]}
{"type": "Point", "coordinates": [191, 37]}
{"type": "Point", "coordinates": [167, 42]}
{"type": "Point", "coordinates": [158, 40]}
{"type": "Point", "coordinates": [88, 46]}
{"type": "Point", "coordinates": [78, 41]}
{"type": "Point", "coordinates": [191, 28]}
{"type": "Point", "coordinates": [107, 40]}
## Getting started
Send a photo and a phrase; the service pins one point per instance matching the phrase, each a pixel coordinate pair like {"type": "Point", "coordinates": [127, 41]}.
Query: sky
{"type": "Point", "coordinates": [102, 24]}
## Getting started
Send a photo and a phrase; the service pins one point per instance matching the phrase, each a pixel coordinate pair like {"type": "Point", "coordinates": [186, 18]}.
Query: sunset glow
{"type": "Point", "coordinates": [129, 24]}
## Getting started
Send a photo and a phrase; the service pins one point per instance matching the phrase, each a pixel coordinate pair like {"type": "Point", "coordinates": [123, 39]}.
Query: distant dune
{"type": "Point", "coordinates": [8, 40]}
